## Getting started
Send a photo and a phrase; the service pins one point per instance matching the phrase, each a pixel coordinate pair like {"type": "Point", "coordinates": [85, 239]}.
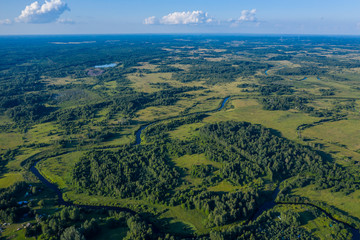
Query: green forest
{"type": "Point", "coordinates": [180, 137]}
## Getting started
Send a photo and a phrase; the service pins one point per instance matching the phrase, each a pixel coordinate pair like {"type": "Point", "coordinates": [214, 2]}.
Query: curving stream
{"type": "Point", "coordinates": [138, 132]}
{"type": "Point", "coordinates": [272, 203]}
{"type": "Point", "coordinates": [266, 206]}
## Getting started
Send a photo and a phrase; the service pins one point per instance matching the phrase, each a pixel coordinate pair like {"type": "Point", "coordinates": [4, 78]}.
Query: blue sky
{"type": "Point", "coordinates": [182, 16]}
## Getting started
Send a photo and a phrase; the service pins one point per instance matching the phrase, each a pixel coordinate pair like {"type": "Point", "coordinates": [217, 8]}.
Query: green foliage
{"type": "Point", "coordinates": [10, 210]}
{"type": "Point", "coordinates": [201, 171]}
{"type": "Point", "coordinates": [284, 103]}
{"type": "Point", "coordinates": [71, 233]}
{"type": "Point", "coordinates": [301, 71]}
{"type": "Point", "coordinates": [138, 230]}
{"type": "Point", "coordinates": [142, 171]}
{"type": "Point", "coordinates": [249, 149]}
{"type": "Point", "coordinates": [42, 83]}
{"type": "Point", "coordinates": [221, 72]}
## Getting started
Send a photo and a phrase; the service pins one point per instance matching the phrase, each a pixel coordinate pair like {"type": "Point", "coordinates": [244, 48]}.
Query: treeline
{"type": "Point", "coordinates": [5, 157]}
{"type": "Point", "coordinates": [247, 152]}
{"type": "Point", "coordinates": [269, 79]}
{"type": "Point", "coordinates": [270, 89]}
{"type": "Point", "coordinates": [80, 223]}
{"type": "Point", "coordinates": [167, 68]}
{"type": "Point", "coordinates": [218, 72]}
{"type": "Point", "coordinates": [307, 70]}
{"type": "Point", "coordinates": [221, 208]}
{"type": "Point", "coordinates": [278, 102]}
{"type": "Point", "coordinates": [155, 131]}
{"type": "Point", "coordinates": [130, 172]}
{"type": "Point", "coordinates": [282, 224]}
{"type": "Point", "coordinates": [10, 210]}
{"type": "Point", "coordinates": [284, 103]}
{"type": "Point", "coordinates": [280, 157]}
{"type": "Point", "coordinates": [77, 119]}
{"type": "Point", "coordinates": [252, 151]}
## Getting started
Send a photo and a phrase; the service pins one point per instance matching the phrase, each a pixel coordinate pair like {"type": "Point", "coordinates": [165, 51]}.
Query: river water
{"type": "Point", "coordinates": [270, 204]}
{"type": "Point", "coordinates": [138, 132]}
{"type": "Point", "coordinates": [106, 65]}
{"type": "Point", "coordinates": [266, 206]}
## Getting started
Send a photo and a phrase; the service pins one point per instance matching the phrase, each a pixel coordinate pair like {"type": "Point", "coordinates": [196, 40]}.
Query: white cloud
{"type": "Point", "coordinates": [177, 18]}
{"type": "Point", "coordinates": [5, 22]}
{"type": "Point", "coordinates": [65, 21]}
{"type": "Point", "coordinates": [194, 17]}
{"type": "Point", "coordinates": [151, 20]}
{"type": "Point", "coordinates": [246, 16]}
{"type": "Point", "coordinates": [200, 17]}
{"type": "Point", "coordinates": [48, 12]}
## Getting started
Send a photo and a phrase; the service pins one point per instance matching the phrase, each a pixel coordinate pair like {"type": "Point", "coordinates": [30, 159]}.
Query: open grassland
{"type": "Point", "coordinates": [146, 65]}
{"type": "Point", "coordinates": [186, 162]}
{"type": "Point", "coordinates": [11, 232]}
{"type": "Point", "coordinates": [141, 82]}
{"type": "Point", "coordinates": [347, 203]}
{"type": "Point", "coordinates": [224, 186]}
{"type": "Point", "coordinates": [322, 226]}
{"type": "Point", "coordinates": [69, 80]}
{"type": "Point", "coordinates": [340, 139]}
{"type": "Point", "coordinates": [107, 95]}
{"type": "Point", "coordinates": [205, 105]}
{"type": "Point", "coordinates": [251, 111]}
{"type": "Point", "coordinates": [151, 114]}
{"type": "Point", "coordinates": [12, 139]}
{"type": "Point", "coordinates": [5, 120]}
{"type": "Point", "coordinates": [341, 89]}
{"type": "Point", "coordinates": [43, 133]}
{"type": "Point", "coordinates": [176, 219]}
{"type": "Point", "coordinates": [181, 220]}
{"type": "Point", "coordinates": [186, 131]}
{"type": "Point", "coordinates": [286, 122]}
{"type": "Point", "coordinates": [323, 103]}
{"type": "Point", "coordinates": [58, 169]}
{"type": "Point", "coordinates": [15, 164]}
{"type": "Point", "coordinates": [344, 132]}
{"type": "Point", "coordinates": [124, 137]}
{"type": "Point", "coordinates": [8, 179]}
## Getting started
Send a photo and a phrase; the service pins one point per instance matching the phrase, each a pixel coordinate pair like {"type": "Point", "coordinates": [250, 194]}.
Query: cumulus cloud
{"type": "Point", "coordinates": [181, 18]}
{"type": "Point", "coordinates": [194, 17]}
{"type": "Point", "coordinates": [151, 20]}
{"type": "Point", "coordinates": [5, 21]}
{"type": "Point", "coordinates": [246, 16]}
{"type": "Point", "coordinates": [48, 12]}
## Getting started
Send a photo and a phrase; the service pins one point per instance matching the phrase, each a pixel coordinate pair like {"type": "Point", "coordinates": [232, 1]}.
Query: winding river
{"type": "Point", "coordinates": [266, 206]}
{"type": "Point", "coordinates": [138, 132]}
{"type": "Point", "coordinates": [272, 203]}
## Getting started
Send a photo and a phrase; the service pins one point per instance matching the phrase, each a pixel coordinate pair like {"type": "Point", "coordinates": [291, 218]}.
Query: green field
{"type": "Point", "coordinates": [60, 117]}
{"type": "Point", "coordinates": [346, 203]}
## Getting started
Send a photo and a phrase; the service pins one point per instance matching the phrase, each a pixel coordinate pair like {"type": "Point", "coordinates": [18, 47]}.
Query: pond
{"type": "Point", "coordinates": [110, 65]}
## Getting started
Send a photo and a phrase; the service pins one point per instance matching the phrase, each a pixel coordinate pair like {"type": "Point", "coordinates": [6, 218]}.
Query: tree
{"type": "Point", "coordinates": [71, 233]}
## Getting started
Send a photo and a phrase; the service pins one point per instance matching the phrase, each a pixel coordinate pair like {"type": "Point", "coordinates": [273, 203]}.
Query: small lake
{"type": "Point", "coordinates": [110, 65]}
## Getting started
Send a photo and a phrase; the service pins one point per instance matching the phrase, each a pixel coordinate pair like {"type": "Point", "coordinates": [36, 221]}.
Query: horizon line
{"type": "Point", "coordinates": [189, 34]}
